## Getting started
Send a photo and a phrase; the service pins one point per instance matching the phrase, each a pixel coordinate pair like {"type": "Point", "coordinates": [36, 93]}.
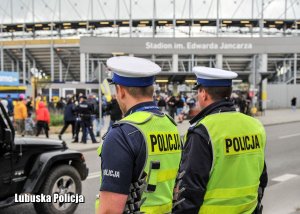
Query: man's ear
{"type": "Point", "coordinates": [121, 91]}
{"type": "Point", "coordinates": [205, 95]}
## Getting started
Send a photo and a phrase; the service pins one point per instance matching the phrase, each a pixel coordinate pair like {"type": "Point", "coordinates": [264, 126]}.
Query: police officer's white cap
{"type": "Point", "coordinates": [213, 77]}
{"type": "Point", "coordinates": [132, 71]}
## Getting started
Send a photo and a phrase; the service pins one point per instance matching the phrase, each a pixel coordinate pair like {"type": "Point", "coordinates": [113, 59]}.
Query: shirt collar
{"type": "Point", "coordinates": [138, 106]}
{"type": "Point", "coordinates": [223, 105]}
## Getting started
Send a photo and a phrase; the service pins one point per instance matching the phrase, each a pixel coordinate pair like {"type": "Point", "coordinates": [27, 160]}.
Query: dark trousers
{"type": "Point", "coordinates": [20, 125]}
{"type": "Point", "coordinates": [87, 127]}
{"type": "Point", "coordinates": [42, 125]}
{"type": "Point", "coordinates": [77, 129]}
{"type": "Point", "coordinates": [172, 111]}
{"type": "Point", "coordinates": [66, 125]}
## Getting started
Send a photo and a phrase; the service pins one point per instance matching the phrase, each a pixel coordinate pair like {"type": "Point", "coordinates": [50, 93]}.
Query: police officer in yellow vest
{"type": "Point", "coordinates": [140, 155]}
{"type": "Point", "coordinates": [223, 155]}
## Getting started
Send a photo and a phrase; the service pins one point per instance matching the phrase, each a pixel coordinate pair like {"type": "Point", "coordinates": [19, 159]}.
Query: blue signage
{"type": "Point", "coordinates": [9, 78]}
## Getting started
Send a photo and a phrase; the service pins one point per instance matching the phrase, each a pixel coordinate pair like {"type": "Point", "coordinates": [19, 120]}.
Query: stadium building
{"type": "Point", "coordinates": [62, 46]}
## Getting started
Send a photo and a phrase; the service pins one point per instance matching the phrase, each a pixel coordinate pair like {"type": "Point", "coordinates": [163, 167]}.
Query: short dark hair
{"type": "Point", "coordinates": [140, 91]}
{"type": "Point", "coordinates": [218, 93]}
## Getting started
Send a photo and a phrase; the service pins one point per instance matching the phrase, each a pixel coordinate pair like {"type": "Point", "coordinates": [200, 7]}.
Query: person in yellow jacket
{"type": "Point", "coordinates": [223, 158]}
{"type": "Point", "coordinates": [140, 154]}
{"type": "Point", "coordinates": [20, 114]}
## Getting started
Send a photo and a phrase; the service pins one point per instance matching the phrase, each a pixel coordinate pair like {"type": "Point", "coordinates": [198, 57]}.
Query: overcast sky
{"type": "Point", "coordinates": [48, 10]}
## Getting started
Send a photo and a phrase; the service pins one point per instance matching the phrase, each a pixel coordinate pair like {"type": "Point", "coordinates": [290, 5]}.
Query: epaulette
{"type": "Point", "coordinates": [116, 125]}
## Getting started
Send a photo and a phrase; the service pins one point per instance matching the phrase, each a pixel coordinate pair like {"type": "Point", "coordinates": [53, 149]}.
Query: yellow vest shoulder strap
{"type": "Point", "coordinates": [138, 118]}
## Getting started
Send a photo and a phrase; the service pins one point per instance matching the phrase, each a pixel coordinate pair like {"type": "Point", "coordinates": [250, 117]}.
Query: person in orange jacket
{"type": "Point", "coordinates": [20, 114]}
{"type": "Point", "coordinates": [43, 119]}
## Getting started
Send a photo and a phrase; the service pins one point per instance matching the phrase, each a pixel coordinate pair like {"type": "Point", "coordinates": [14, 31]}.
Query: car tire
{"type": "Point", "coordinates": [62, 180]}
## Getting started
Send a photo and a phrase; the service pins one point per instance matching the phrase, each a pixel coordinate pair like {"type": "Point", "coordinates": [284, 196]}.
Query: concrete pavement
{"type": "Point", "coordinates": [282, 198]}
{"type": "Point", "coordinates": [280, 116]}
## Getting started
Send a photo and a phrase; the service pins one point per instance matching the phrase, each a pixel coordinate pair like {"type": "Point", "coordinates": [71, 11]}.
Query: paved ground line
{"type": "Point", "coordinates": [289, 136]}
{"type": "Point", "coordinates": [284, 177]}
{"type": "Point", "coordinates": [93, 175]}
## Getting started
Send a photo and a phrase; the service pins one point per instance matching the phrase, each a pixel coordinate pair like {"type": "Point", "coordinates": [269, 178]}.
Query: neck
{"type": "Point", "coordinates": [134, 102]}
{"type": "Point", "coordinates": [207, 103]}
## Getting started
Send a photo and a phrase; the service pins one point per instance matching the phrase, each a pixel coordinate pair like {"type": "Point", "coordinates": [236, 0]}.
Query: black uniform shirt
{"type": "Point", "coordinates": [124, 154]}
{"type": "Point", "coordinates": [197, 160]}
{"type": "Point", "coordinates": [84, 110]}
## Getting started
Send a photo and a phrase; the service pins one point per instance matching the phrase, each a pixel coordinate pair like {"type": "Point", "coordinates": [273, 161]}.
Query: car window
{"type": "Point", "coordinates": [3, 125]}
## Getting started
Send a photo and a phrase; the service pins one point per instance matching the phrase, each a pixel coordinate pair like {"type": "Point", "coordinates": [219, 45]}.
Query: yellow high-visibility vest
{"type": "Point", "coordinates": [163, 158]}
{"type": "Point", "coordinates": [238, 142]}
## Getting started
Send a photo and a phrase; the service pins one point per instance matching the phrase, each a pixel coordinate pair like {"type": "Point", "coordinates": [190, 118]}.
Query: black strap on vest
{"type": "Point", "coordinates": [135, 200]}
{"type": "Point", "coordinates": [154, 165]}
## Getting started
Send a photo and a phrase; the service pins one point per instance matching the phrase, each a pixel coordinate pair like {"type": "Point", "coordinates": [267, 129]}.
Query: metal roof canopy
{"type": "Point", "coordinates": [92, 24]}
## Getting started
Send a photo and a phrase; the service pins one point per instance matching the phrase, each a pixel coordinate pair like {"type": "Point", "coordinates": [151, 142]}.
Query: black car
{"type": "Point", "coordinates": [34, 167]}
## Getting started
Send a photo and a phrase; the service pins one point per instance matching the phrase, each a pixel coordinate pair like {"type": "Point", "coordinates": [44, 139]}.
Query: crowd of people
{"type": "Point", "coordinates": [21, 112]}
{"type": "Point", "coordinates": [179, 105]}
{"type": "Point", "coordinates": [83, 115]}
{"type": "Point", "coordinates": [242, 102]}
{"type": "Point", "coordinates": [33, 118]}
{"type": "Point", "coordinates": [79, 111]}
{"type": "Point", "coordinates": [82, 112]}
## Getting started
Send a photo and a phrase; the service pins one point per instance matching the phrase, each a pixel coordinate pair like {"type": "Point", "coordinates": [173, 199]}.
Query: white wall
{"type": "Point", "coordinates": [280, 95]}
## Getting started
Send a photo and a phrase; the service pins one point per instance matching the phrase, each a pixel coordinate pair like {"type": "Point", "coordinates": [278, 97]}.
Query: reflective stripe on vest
{"type": "Point", "coordinates": [166, 208]}
{"type": "Point", "coordinates": [248, 208]}
{"type": "Point", "coordinates": [97, 202]}
{"type": "Point", "coordinates": [238, 143]}
{"type": "Point", "coordinates": [97, 205]}
{"type": "Point", "coordinates": [99, 150]}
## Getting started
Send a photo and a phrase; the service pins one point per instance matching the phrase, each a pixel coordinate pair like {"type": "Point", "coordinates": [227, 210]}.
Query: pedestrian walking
{"type": "Point", "coordinates": [60, 105]}
{"type": "Point", "coordinates": [223, 155]}
{"type": "Point", "coordinates": [92, 101]}
{"type": "Point", "coordinates": [294, 103]}
{"type": "Point", "coordinates": [29, 125]}
{"type": "Point", "coordinates": [43, 119]}
{"type": "Point", "coordinates": [69, 118]}
{"type": "Point", "coordinates": [20, 114]}
{"type": "Point", "coordinates": [29, 105]}
{"type": "Point", "coordinates": [10, 106]}
{"type": "Point", "coordinates": [178, 104]}
{"type": "Point", "coordinates": [138, 176]}
{"type": "Point", "coordinates": [171, 102]}
{"type": "Point", "coordinates": [161, 103]}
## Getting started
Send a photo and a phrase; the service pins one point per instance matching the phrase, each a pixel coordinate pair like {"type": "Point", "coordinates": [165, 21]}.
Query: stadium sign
{"type": "Point", "coordinates": [221, 45]}
{"type": "Point", "coordinates": [197, 46]}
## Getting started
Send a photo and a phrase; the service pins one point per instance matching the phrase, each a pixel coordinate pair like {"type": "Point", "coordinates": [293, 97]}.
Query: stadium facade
{"type": "Point", "coordinates": [258, 39]}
